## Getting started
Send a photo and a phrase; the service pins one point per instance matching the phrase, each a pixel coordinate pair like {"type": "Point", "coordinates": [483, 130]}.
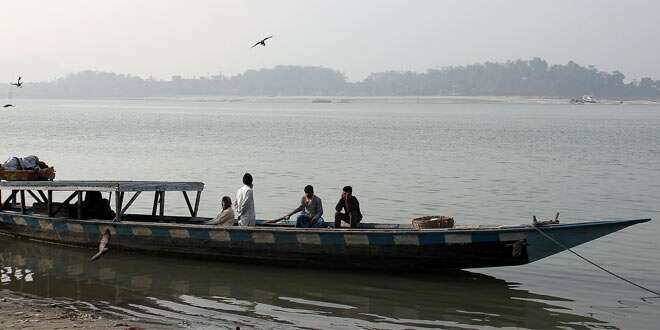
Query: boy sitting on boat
{"type": "Point", "coordinates": [311, 210]}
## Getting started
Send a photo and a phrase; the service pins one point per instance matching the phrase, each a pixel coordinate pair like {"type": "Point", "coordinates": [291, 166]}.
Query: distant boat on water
{"type": "Point", "coordinates": [321, 101]}
{"type": "Point", "coordinates": [584, 99]}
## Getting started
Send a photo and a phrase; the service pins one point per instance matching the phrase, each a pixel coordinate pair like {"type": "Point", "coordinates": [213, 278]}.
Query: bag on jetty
{"type": "Point", "coordinates": [29, 168]}
{"type": "Point", "coordinates": [433, 221]}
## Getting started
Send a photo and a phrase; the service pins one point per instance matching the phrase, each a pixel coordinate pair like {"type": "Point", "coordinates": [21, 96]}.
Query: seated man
{"type": "Point", "coordinates": [95, 207]}
{"type": "Point", "coordinates": [226, 216]}
{"type": "Point", "coordinates": [311, 211]}
{"type": "Point", "coordinates": [351, 207]}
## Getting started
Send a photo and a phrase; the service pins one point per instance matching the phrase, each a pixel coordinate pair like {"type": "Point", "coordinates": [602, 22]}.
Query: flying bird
{"type": "Point", "coordinates": [262, 42]}
{"type": "Point", "coordinates": [18, 83]}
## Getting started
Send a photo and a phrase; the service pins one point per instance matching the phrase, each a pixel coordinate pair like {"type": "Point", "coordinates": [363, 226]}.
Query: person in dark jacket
{"type": "Point", "coordinates": [351, 207]}
{"type": "Point", "coordinates": [96, 207]}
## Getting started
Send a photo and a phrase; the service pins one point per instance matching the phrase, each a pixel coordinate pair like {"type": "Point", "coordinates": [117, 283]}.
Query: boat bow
{"type": "Point", "coordinates": [571, 235]}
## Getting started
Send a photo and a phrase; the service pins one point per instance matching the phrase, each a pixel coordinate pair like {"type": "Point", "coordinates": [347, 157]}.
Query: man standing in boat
{"type": "Point", "coordinates": [311, 210]}
{"type": "Point", "coordinates": [245, 203]}
{"type": "Point", "coordinates": [351, 207]}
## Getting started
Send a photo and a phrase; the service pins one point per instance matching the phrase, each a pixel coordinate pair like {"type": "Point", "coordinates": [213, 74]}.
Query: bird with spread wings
{"type": "Point", "coordinates": [262, 42]}
{"type": "Point", "coordinates": [18, 83]}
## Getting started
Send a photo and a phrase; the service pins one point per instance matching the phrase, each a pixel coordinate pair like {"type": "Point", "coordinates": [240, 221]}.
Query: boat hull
{"type": "Point", "coordinates": [390, 249]}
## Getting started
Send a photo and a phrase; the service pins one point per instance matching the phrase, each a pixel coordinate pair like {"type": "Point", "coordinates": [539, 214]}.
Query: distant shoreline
{"type": "Point", "coordinates": [327, 100]}
{"type": "Point", "coordinates": [528, 78]}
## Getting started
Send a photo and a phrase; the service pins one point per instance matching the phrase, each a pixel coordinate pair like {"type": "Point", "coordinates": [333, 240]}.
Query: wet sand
{"type": "Point", "coordinates": [28, 312]}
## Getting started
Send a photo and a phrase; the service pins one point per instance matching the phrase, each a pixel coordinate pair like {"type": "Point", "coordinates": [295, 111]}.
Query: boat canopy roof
{"type": "Point", "coordinates": [106, 186]}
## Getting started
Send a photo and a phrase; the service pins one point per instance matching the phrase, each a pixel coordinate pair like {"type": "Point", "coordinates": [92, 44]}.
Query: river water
{"type": "Point", "coordinates": [481, 161]}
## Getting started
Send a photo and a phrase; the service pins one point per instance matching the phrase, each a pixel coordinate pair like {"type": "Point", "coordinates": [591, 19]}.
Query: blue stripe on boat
{"type": "Point", "coordinates": [160, 232]}
{"type": "Point", "coordinates": [332, 239]}
{"type": "Point", "coordinates": [124, 231]}
{"type": "Point", "coordinates": [431, 239]}
{"type": "Point", "coordinates": [285, 238]}
{"type": "Point", "coordinates": [8, 219]}
{"type": "Point", "coordinates": [60, 226]}
{"type": "Point", "coordinates": [485, 237]}
{"type": "Point", "coordinates": [240, 236]}
{"type": "Point", "coordinates": [201, 234]}
{"type": "Point", "coordinates": [32, 222]}
{"type": "Point", "coordinates": [380, 239]}
{"type": "Point", "coordinates": [90, 228]}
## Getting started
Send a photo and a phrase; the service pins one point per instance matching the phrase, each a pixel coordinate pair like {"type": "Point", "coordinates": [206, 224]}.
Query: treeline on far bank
{"type": "Point", "coordinates": [513, 78]}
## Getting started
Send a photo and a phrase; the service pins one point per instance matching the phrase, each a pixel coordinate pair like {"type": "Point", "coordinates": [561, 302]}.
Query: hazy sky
{"type": "Point", "coordinates": [48, 39]}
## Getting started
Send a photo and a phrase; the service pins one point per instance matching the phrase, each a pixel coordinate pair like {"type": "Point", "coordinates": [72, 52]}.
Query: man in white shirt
{"type": "Point", "coordinates": [244, 204]}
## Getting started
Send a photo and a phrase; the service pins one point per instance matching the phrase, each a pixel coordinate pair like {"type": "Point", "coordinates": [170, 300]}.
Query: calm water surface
{"type": "Point", "coordinates": [494, 163]}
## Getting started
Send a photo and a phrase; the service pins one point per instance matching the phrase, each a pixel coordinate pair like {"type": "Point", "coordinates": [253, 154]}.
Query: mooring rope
{"type": "Point", "coordinates": [593, 263]}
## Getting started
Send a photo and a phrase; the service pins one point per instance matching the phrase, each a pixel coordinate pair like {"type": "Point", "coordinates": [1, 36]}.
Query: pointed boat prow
{"type": "Point", "coordinates": [571, 235]}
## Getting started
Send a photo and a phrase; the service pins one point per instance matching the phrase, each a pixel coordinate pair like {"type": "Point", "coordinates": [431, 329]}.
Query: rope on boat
{"type": "Point", "coordinates": [593, 263]}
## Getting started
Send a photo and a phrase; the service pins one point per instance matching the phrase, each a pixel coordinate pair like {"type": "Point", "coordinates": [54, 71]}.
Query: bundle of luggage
{"type": "Point", "coordinates": [28, 168]}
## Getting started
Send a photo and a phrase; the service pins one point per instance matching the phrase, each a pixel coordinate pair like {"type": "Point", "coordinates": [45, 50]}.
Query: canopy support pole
{"type": "Point", "coordinates": [36, 198]}
{"type": "Point", "coordinates": [9, 199]}
{"type": "Point", "coordinates": [118, 212]}
{"type": "Point", "coordinates": [66, 202]}
{"type": "Point", "coordinates": [199, 194]}
{"type": "Point", "coordinates": [190, 209]}
{"type": "Point", "coordinates": [23, 210]}
{"type": "Point", "coordinates": [49, 201]}
{"type": "Point", "coordinates": [43, 196]}
{"type": "Point", "coordinates": [162, 204]}
{"type": "Point", "coordinates": [130, 201]}
{"type": "Point", "coordinates": [153, 210]}
{"type": "Point", "coordinates": [80, 206]}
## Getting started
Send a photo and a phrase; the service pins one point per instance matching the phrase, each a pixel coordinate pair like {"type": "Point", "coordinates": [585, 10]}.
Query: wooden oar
{"type": "Point", "coordinates": [105, 238]}
{"type": "Point", "coordinates": [275, 220]}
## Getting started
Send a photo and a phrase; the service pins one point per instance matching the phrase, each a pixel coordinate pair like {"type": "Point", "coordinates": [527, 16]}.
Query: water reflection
{"type": "Point", "coordinates": [204, 294]}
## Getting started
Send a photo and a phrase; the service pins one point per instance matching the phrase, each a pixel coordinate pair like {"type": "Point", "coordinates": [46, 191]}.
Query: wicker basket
{"type": "Point", "coordinates": [433, 221]}
{"type": "Point", "coordinates": [44, 174]}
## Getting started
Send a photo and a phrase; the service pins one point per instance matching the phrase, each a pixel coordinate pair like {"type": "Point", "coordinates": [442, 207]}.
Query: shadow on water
{"type": "Point", "coordinates": [204, 294]}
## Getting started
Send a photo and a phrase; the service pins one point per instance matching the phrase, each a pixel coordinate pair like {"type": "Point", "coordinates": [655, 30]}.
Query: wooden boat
{"type": "Point", "coordinates": [43, 174]}
{"type": "Point", "coordinates": [371, 246]}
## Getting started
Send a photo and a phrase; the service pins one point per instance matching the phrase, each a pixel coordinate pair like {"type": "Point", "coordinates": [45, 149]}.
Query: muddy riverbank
{"type": "Point", "coordinates": [19, 311]}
